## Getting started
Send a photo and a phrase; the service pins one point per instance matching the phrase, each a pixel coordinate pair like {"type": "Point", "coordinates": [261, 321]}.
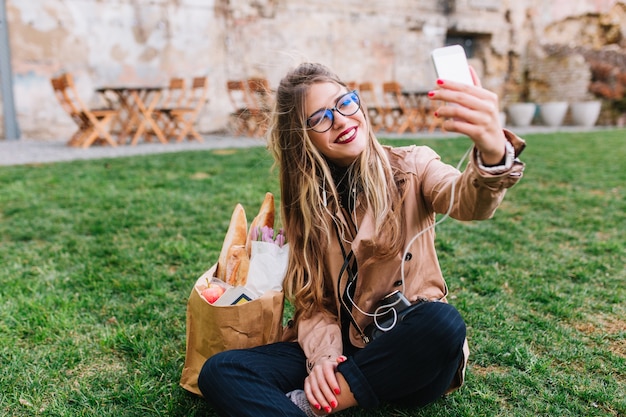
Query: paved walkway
{"type": "Point", "coordinates": [28, 151]}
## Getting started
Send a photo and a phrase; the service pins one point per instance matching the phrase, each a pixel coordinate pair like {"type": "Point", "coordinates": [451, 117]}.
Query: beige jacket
{"type": "Point", "coordinates": [429, 183]}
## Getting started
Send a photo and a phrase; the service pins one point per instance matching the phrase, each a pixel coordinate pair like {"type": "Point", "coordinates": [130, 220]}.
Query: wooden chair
{"type": "Point", "coordinates": [399, 116]}
{"type": "Point", "coordinates": [176, 91]}
{"type": "Point", "coordinates": [174, 97]}
{"type": "Point", "coordinates": [422, 105]}
{"type": "Point", "coordinates": [369, 101]}
{"type": "Point", "coordinates": [240, 119]}
{"type": "Point", "coordinates": [260, 104]}
{"type": "Point", "coordinates": [182, 118]}
{"type": "Point", "coordinates": [93, 124]}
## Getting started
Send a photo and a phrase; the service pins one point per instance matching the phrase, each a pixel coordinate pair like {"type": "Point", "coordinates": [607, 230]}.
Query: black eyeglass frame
{"type": "Point", "coordinates": [331, 112]}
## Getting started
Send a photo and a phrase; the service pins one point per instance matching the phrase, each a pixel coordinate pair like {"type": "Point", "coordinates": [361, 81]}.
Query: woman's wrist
{"type": "Point", "coordinates": [504, 164]}
{"type": "Point", "coordinates": [495, 156]}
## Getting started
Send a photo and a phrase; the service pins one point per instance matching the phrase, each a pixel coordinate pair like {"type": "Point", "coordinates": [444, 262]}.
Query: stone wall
{"type": "Point", "coordinates": [148, 41]}
{"type": "Point", "coordinates": [561, 67]}
{"type": "Point", "coordinates": [559, 77]}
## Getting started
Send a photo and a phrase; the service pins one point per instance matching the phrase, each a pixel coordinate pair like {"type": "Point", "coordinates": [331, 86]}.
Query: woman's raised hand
{"type": "Point", "coordinates": [472, 111]}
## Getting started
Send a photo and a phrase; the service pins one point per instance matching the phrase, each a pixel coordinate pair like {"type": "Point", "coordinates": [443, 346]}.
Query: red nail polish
{"type": "Point", "coordinates": [333, 404]}
{"type": "Point", "coordinates": [337, 391]}
{"type": "Point", "coordinates": [440, 82]}
{"type": "Point", "coordinates": [436, 114]}
{"type": "Point", "coordinates": [317, 406]}
{"type": "Point", "coordinates": [431, 93]}
{"type": "Point", "coordinates": [328, 409]}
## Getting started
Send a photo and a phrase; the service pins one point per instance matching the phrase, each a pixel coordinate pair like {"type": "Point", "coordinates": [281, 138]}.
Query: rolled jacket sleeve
{"type": "Point", "coordinates": [513, 174]}
{"type": "Point", "coordinates": [477, 194]}
{"type": "Point", "coordinates": [320, 338]}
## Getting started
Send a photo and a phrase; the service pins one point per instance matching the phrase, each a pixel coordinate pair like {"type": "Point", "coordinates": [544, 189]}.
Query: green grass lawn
{"type": "Point", "coordinates": [97, 259]}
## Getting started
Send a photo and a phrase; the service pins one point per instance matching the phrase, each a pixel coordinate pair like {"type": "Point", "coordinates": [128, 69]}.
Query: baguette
{"type": "Point", "coordinates": [236, 236]}
{"type": "Point", "coordinates": [237, 266]}
{"type": "Point", "coordinates": [265, 218]}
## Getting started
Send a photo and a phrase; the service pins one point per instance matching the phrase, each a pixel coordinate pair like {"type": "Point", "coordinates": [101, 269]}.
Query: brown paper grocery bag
{"type": "Point", "coordinates": [212, 329]}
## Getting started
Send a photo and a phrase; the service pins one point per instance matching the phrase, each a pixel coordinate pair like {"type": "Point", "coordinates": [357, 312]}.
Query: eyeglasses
{"type": "Point", "coordinates": [322, 120]}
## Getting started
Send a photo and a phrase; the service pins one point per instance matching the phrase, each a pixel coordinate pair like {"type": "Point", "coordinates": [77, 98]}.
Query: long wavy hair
{"type": "Point", "coordinates": [305, 175]}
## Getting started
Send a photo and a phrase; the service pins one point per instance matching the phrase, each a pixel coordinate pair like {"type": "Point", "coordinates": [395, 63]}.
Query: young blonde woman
{"type": "Point", "coordinates": [359, 217]}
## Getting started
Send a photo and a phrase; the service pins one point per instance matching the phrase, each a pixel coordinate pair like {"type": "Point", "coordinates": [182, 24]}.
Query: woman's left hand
{"type": "Point", "coordinates": [321, 386]}
{"type": "Point", "coordinates": [475, 113]}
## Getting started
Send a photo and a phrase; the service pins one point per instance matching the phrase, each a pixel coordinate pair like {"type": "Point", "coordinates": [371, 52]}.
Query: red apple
{"type": "Point", "coordinates": [212, 293]}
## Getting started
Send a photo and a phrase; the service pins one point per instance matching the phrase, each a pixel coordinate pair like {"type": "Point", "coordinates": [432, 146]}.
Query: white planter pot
{"type": "Point", "coordinates": [585, 113]}
{"type": "Point", "coordinates": [521, 114]}
{"type": "Point", "coordinates": [553, 113]}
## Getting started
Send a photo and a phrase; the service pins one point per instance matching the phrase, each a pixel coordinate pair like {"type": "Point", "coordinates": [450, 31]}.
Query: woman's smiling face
{"type": "Point", "coordinates": [348, 135]}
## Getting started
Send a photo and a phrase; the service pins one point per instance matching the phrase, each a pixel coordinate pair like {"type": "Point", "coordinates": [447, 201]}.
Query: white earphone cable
{"type": "Point", "coordinates": [443, 218]}
{"type": "Point", "coordinates": [378, 313]}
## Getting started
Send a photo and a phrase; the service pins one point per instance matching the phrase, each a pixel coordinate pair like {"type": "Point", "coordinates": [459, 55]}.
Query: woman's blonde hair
{"type": "Point", "coordinates": [304, 179]}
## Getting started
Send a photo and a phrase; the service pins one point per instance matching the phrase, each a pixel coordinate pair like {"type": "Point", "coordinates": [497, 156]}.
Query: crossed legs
{"type": "Point", "coordinates": [413, 365]}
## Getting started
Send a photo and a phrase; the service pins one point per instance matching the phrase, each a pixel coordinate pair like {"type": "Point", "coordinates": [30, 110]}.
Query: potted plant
{"type": "Point", "coordinates": [609, 85]}
{"type": "Point", "coordinates": [585, 113]}
{"type": "Point", "coordinates": [521, 114]}
{"type": "Point", "coordinates": [553, 112]}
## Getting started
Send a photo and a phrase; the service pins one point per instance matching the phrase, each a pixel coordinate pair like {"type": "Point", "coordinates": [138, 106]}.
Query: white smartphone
{"type": "Point", "coordinates": [451, 64]}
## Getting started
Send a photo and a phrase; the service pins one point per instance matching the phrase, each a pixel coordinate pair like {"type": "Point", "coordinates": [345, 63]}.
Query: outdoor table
{"type": "Point", "coordinates": [418, 101]}
{"type": "Point", "coordinates": [137, 105]}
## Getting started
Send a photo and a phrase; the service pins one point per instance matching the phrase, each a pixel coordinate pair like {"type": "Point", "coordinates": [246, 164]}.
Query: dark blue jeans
{"type": "Point", "coordinates": [413, 364]}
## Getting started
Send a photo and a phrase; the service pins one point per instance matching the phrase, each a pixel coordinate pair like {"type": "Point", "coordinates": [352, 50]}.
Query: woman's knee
{"type": "Point", "coordinates": [215, 372]}
{"type": "Point", "coordinates": [441, 322]}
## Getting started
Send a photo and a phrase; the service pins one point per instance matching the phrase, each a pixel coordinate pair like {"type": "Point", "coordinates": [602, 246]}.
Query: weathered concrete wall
{"type": "Point", "coordinates": [104, 43]}
{"type": "Point", "coordinates": [149, 41]}
{"type": "Point", "coordinates": [536, 74]}
{"type": "Point", "coordinates": [561, 62]}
